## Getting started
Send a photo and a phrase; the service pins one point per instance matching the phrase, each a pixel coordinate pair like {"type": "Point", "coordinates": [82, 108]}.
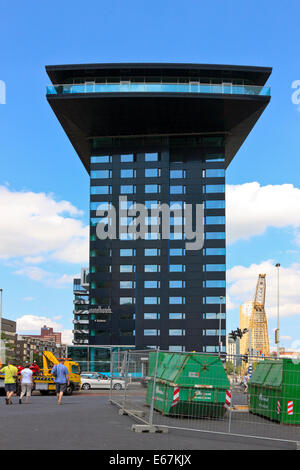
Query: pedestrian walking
{"type": "Point", "coordinates": [62, 379]}
{"type": "Point", "coordinates": [10, 374]}
{"type": "Point", "coordinates": [26, 384]}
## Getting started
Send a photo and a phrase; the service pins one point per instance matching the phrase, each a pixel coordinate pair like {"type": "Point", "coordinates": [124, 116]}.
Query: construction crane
{"type": "Point", "coordinates": [258, 322]}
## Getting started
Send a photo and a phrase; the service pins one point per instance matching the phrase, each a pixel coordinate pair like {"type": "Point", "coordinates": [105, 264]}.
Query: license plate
{"type": "Point", "coordinates": [40, 386]}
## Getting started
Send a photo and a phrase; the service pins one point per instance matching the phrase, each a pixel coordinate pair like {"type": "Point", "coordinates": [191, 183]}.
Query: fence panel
{"type": "Point", "coordinates": [204, 392]}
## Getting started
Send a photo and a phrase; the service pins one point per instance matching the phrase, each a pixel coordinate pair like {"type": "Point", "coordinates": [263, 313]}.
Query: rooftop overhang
{"type": "Point", "coordinates": [84, 116]}
{"type": "Point", "coordinates": [67, 73]}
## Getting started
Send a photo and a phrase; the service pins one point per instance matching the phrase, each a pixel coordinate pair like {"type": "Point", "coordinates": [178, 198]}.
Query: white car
{"type": "Point", "coordinates": [92, 381]}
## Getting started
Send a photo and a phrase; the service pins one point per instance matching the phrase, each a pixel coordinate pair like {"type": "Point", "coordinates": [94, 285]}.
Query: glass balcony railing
{"type": "Point", "coordinates": [222, 88]}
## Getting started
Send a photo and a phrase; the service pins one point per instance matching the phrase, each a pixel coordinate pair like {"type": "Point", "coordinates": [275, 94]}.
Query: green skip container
{"type": "Point", "coordinates": [191, 385]}
{"type": "Point", "coordinates": [274, 391]}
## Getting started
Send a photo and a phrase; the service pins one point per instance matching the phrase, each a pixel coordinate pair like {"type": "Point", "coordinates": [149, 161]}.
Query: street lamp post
{"type": "Point", "coordinates": [277, 331]}
{"type": "Point", "coordinates": [220, 341]}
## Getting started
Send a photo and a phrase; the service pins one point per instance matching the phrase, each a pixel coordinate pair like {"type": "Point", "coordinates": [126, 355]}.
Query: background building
{"type": "Point", "coordinates": [81, 308]}
{"type": "Point", "coordinates": [245, 315]}
{"type": "Point", "coordinates": [47, 334]}
{"type": "Point", "coordinates": [157, 134]}
{"type": "Point", "coordinates": [232, 347]}
{"type": "Point", "coordinates": [29, 348]}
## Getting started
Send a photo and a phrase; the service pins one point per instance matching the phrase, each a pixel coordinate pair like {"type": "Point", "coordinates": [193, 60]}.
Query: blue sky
{"type": "Point", "coordinates": [38, 160]}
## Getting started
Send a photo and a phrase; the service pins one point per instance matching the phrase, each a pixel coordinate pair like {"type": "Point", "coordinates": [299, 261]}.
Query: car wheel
{"type": "Point", "coordinates": [117, 386]}
{"type": "Point", "coordinates": [69, 390]}
{"type": "Point", "coordinates": [85, 386]}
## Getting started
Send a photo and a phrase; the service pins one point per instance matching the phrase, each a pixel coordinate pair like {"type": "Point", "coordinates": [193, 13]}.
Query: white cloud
{"type": "Point", "coordinates": [50, 279]}
{"type": "Point", "coordinates": [34, 259]}
{"type": "Point", "coordinates": [242, 283]}
{"type": "Point", "coordinates": [67, 337]}
{"type": "Point", "coordinates": [251, 208]}
{"type": "Point", "coordinates": [32, 324]}
{"type": "Point", "coordinates": [27, 299]}
{"type": "Point", "coordinates": [33, 225]}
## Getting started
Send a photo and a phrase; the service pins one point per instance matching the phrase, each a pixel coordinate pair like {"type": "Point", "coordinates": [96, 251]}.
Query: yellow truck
{"type": "Point", "coordinates": [44, 381]}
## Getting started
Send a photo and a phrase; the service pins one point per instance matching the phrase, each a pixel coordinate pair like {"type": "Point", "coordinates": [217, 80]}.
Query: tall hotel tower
{"type": "Point", "coordinates": [157, 134]}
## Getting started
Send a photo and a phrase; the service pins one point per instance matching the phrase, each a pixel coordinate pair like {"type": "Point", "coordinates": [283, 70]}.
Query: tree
{"type": "Point", "coordinates": [229, 367]}
{"type": "Point", "coordinates": [10, 348]}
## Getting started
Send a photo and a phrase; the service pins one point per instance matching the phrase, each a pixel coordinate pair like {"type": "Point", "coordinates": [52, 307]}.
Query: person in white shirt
{"type": "Point", "coordinates": [26, 383]}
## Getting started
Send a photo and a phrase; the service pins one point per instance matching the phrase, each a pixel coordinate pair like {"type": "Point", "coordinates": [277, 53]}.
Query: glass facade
{"type": "Point", "coordinates": [183, 285]}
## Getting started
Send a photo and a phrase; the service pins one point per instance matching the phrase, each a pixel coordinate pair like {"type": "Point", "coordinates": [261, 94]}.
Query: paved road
{"type": "Point", "coordinates": [89, 422]}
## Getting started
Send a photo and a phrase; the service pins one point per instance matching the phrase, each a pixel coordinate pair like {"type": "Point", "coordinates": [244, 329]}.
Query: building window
{"type": "Point", "coordinates": [177, 268]}
{"type": "Point", "coordinates": [101, 190]}
{"type": "Point", "coordinates": [151, 332]}
{"type": "Point", "coordinates": [127, 189]}
{"type": "Point", "coordinates": [176, 236]}
{"type": "Point", "coordinates": [215, 251]}
{"type": "Point", "coordinates": [128, 173]}
{"type": "Point", "coordinates": [215, 235]}
{"type": "Point", "coordinates": [127, 252]}
{"type": "Point", "coordinates": [177, 174]}
{"type": "Point", "coordinates": [177, 189]}
{"type": "Point", "coordinates": [214, 158]}
{"type": "Point", "coordinates": [127, 158]}
{"type": "Point", "coordinates": [214, 267]}
{"type": "Point", "coordinates": [127, 300]}
{"type": "Point", "coordinates": [152, 188]}
{"type": "Point", "coordinates": [151, 157]}
{"type": "Point", "coordinates": [213, 316]}
{"type": "Point", "coordinates": [103, 206]}
{"type": "Point", "coordinates": [176, 348]}
{"type": "Point", "coordinates": [211, 204]}
{"type": "Point", "coordinates": [216, 284]}
{"type": "Point", "coordinates": [215, 220]}
{"type": "Point", "coordinates": [151, 204]}
{"type": "Point", "coordinates": [151, 300]}
{"type": "Point", "coordinates": [127, 285]}
{"type": "Point", "coordinates": [152, 252]}
{"type": "Point", "coordinates": [151, 284]}
{"type": "Point", "coordinates": [177, 251]}
{"type": "Point", "coordinates": [214, 188]}
{"type": "Point", "coordinates": [152, 173]}
{"type": "Point", "coordinates": [152, 268]}
{"type": "Point", "coordinates": [176, 300]}
{"type": "Point", "coordinates": [101, 174]}
{"type": "Point", "coordinates": [214, 300]}
{"type": "Point", "coordinates": [176, 316]}
{"type": "Point", "coordinates": [101, 159]}
{"type": "Point", "coordinates": [151, 316]}
{"type": "Point", "coordinates": [215, 173]}
{"type": "Point", "coordinates": [176, 284]}
{"type": "Point", "coordinates": [175, 332]}
{"type": "Point", "coordinates": [127, 268]}
{"type": "Point", "coordinates": [214, 332]}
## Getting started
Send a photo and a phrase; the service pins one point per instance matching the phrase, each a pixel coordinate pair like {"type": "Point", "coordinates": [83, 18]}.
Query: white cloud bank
{"type": "Point", "coordinates": [32, 324]}
{"type": "Point", "coordinates": [251, 208]}
{"type": "Point", "coordinates": [242, 283]}
{"type": "Point", "coordinates": [50, 279]}
{"type": "Point", "coordinates": [33, 225]}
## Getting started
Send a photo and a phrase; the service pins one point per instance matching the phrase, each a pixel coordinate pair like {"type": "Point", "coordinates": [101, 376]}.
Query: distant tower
{"type": "Point", "coordinates": [253, 317]}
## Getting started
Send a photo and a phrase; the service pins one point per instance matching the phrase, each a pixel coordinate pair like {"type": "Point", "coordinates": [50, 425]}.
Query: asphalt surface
{"type": "Point", "coordinates": [89, 422]}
